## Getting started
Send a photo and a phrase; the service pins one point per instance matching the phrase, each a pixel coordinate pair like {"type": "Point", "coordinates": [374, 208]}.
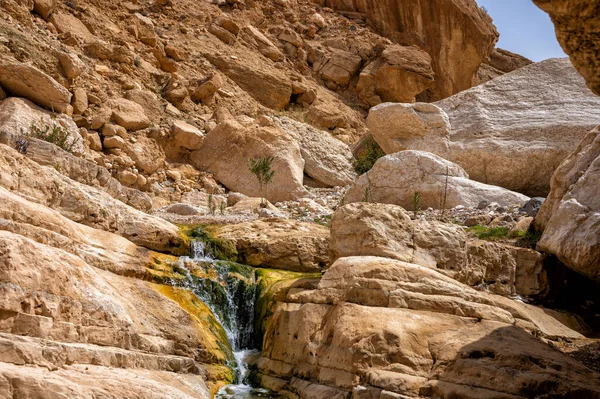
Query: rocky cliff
{"type": "Point", "coordinates": [577, 27]}
{"type": "Point", "coordinates": [457, 34]}
{"type": "Point", "coordinates": [144, 255]}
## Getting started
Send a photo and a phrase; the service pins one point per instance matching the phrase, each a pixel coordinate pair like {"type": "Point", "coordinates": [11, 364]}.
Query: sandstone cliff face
{"type": "Point", "coordinates": [457, 34]}
{"type": "Point", "coordinates": [577, 28]}
{"type": "Point", "coordinates": [80, 304]}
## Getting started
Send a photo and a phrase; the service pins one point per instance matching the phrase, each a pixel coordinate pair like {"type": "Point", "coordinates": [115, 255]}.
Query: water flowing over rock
{"type": "Point", "coordinates": [398, 178]}
{"type": "Point", "coordinates": [139, 261]}
{"type": "Point", "coordinates": [511, 132]}
{"type": "Point", "coordinates": [77, 306]}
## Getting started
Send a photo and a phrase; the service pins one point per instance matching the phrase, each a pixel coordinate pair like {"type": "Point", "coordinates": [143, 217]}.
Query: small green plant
{"type": "Point", "coordinates": [444, 196]}
{"type": "Point", "coordinates": [222, 206]}
{"type": "Point", "coordinates": [53, 133]}
{"type": "Point", "coordinates": [416, 203]}
{"type": "Point", "coordinates": [490, 233]}
{"type": "Point", "coordinates": [526, 238]}
{"type": "Point", "coordinates": [368, 155]}
{"type": "Point", "coordinates": [212, 206]}
{"type": "Point", "coordinates": [367, 194]}
{"type": "Point", "coordinates": [367, 191]}
{"type": "Point", "coordinates": [261, 168]}
{"type": "Point", "coordinates": [323, 220]}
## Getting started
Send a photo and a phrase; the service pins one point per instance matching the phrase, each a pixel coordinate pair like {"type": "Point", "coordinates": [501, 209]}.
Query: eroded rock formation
{"type": "Point", "coordinates": [457, 34]}
{"type": "Point", "coordinates": [577, 28]}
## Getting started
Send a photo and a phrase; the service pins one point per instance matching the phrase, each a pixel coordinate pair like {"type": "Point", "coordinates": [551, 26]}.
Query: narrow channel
{"type": "Point", "coordinates": [229, 291]}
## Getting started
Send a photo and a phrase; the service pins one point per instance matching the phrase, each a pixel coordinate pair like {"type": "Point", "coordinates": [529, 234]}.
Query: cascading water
{"type": "Point", "coordinates": [229, 290]}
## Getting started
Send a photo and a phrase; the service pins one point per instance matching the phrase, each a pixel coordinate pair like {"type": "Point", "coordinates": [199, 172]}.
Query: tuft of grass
{"type": "Point", "coordinates": [490, 233]}
{"type": "Point", "coordinates": [368, 155]}
{"type": "Point", "coordinates": [324, 220]}
{"type": "Point", "coordinates": [522, 238]}
{"type": "Point", "coordinates": [53, 133]}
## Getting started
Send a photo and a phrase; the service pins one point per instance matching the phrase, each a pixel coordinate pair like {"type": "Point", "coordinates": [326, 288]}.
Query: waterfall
{"type": "Point", "coordinates": [229, 290]}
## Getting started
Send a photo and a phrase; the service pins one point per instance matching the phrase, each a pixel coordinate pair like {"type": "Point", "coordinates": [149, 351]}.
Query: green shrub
{"type": "Point", "coordinates": [261, 168]}
{"type": "Point", "coordinates": [490, 233]}
{"type": "Point", "coordinates": [368, 155]}
{"type": "Point", "coordinates": [416, 203]}
{"type": "Point", "coordinates": [53, 133]}
{"type": "Point", "coordinates": [522, 238]}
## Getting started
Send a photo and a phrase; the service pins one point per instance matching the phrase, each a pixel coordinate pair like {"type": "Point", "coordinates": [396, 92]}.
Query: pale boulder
{"type": "Point", "coordinates": [338, 66]}
{"type": "Point", "coordinates": [44, 7]}
{"type": "Point", "coordinates": [149, 101]}
{"type": "Point", "coordinates": [492, 130]}
{"type": "Point", "coordinates": [278, 244]}
{"type": "Point", "coordinates": [147, 155]}
{"type": "Point", "coordinates": [419, 126]}
{"type": "Point", "coordinates": [269, 86]}
{"type": "Point", "coordinates": [80, 101]}
{"type": "Point", "coordinates": [25, 80]}
{"type": "Point", "coordinates": [71, 25]}
{"type": "Point", "coordinates": [327, 160]}
{"type": "Point", "coordinates": [255, 38]}
{"type": "Point", "coordinates": [18, 115]}
{"type": "Point", "coordinates": [226, 152]}
{"type": "Point", "coordinates": [71, 64]}
{"type": "Point", "coordinates": [570, 216]}
{"type": "Point", "coordinates": [186, 135]}
{"type": "Point", "coordinates": [396, 178]}
{"type": "Point", "coordinates": [113, 142]}
{"type": "Point", "coordinates": [399, 74]}
{"type": "Point", "coordinates": [128, 114]}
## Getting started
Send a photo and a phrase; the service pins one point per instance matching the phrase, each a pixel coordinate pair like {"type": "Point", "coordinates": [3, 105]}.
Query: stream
{"type": "Point", "coordinates": [229, 290]}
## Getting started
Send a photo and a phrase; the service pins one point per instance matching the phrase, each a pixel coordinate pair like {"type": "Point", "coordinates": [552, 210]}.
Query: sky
{"type": "Point", "coordinates": [524, 28]}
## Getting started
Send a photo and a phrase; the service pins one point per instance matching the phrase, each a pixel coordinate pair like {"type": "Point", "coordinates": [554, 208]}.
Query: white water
{"type": "Point", "coordinates": [231, 300]}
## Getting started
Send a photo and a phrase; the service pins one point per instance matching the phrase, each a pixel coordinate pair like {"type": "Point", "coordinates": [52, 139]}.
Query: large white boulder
{"type": "Point", "coordinates": [25, 80]}
{"type": "Point", "coordinates": [512, 131]}
{"type": "Point", "coordinates": [441, 184]}
{"type": "Point", "coordinates": [327, 160]}
{"type": "Point", "coordinates": [570, 217]}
